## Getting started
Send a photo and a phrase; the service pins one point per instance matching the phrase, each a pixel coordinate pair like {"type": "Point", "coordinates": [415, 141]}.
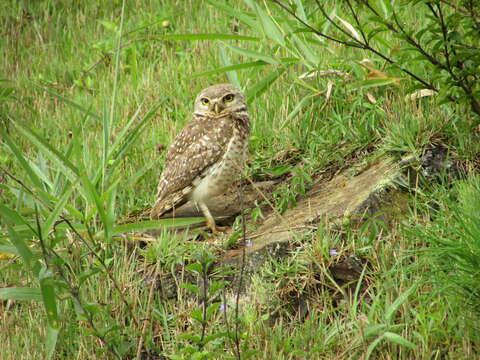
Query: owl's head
{"type": "Point", "coordinates": [219, 100]}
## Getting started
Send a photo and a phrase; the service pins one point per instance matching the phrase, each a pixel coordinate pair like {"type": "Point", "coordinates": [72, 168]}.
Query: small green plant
{"type": "Point", "coordinates": [205, 345]}
{"type": "Point", "coordinates": [286, 195]}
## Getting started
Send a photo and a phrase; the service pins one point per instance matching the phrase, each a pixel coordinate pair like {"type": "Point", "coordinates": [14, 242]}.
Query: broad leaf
{"type": "Point", "coordinates": [21, 294]}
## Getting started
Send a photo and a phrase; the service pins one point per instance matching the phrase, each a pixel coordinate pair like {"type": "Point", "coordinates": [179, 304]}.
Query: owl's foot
{"type": "Point", "coordinates": [216, 229]}
{"type": "Point", "coordinates": [211, 221]}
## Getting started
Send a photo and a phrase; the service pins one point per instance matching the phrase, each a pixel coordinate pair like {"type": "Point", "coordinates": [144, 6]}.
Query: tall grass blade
{"type": "Point", "coordinates": [270, 29]}
{"type": "Point", "coordinates": [21, 294]}
{"type": "Point", "coordinates": [372, 347]}
{"type": "Point", "coordinates": [237, 14]}
{"type": "Point", "coordinates": [232, 74]}
{"type": "Point", "coordinates": [253, 54]}
{"type": "Point", "coordinates": [263, 85]}
{"type": "Point", "coordinates": [399, 340]}
{"type": "Point", "coordinates": [51, 341]}
{"type": "Point", "coordinates": [392, 309]}
{"type": "Point", "coordinates": [249, 65]}
{"type": "Point", "coordinates": [208, 37]}
{"type": "Point", "coordinates": [154, 224]}
{"type": "Point", "coordinates": [54, 155]}
{"type": "Point", "coordinates": [59, 206]}
{"type": "Point", "coordinates": [48, 296]}
{"type": "Point", "coordinates": [124, 142]}
{"type": "Point", "coordinates": [21, 159]}
{"type": "Point", "coordinates": [71, 103]}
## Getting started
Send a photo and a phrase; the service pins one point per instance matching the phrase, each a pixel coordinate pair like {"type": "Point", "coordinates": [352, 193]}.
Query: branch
{"type": "Point", "coordinates": [341, 29]}
{"type": "Point", "coordinates": [359, 45]}
{"type": "Point", "coordinates": [104, 265]}
{"type": "Point", "coordinates": [314, 30]}
{"type": "Point", "coordinates": [445, 38]}
{"type": "Point", "coordinates": [357, 21]}
{"type": "Point", "coordinates": [416, 45]}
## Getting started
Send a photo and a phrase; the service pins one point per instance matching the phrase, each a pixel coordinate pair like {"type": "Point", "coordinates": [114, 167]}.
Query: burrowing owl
{"type": "Point", "coordinates": [208, 154]}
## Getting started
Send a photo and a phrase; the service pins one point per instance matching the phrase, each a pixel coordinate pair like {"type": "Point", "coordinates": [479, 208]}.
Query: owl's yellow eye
{"type": "Point", "coordinates": [228, 98]}
{"type": "Point", "coordinates": [204, 101]}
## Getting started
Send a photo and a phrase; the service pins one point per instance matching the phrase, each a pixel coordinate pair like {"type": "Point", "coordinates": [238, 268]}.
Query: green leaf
{"type": "Point", "coordinates": [14, 216]}
{"type": "Point", "coordinates": [196, 267]}
{"type": "Point", "coordinates": [21, 294]}
{"type": "Point", "coordinates": [49, 297]}
{"type": "Point", "coordinates": [248, 65]}
{"type": "Point", "coordinates": [301, 104]}
{"type": "Point", "coordinates": [193, 288]}
{"type": "Point", "coordinates": [392, 309]}
{"type": "Point", "coordinates": [212, 309]}
{"type": "Point", "coordinates": [53, 216]}
{"type": "Point", "coordinates": [51, 341]}
{"type": "Point", "coordinates": [70, 102]}
{"type": "Point", "coordinates": [278, 171]}
{"type": "Point", "coordinates": [261, 86]}
{"type": "Point", "coordinates": [21, 246]}
{"type": "Point", "coordinates": [374, 330]}
{"type": "Point", "coordinates": [270, 29]}
{"type": "Point", "coordinates": [399, 340]}
{"type": "Point", "coordinates": [197, 314]}
{"type": "Point", "coordinates": [369, 83]}
{"type": "Point", "coordinates": [215, 336]}
{"type": "Point", "coordinates": [253, 54]}
{"type": "Point", "coordinates": [208, 37]}
{"type": "Point", "coordinates": [9, 249]}
{"type": "Point", "coordinates": [69, 170]}
{"type": "Point", "coordinates": [154, 224]}
{"type": "Point", "coordinates": [232, 74]}
{"type": "Point", "coordinates": [216, 286]}
{"type": "Point", "coordinates": [240, 15]}
{"type": "Point", "coordinates": [372, 347]}
{"type": "Point", "coordinates": [312, 59]}
{"type": "Point", "coordinates": [23, 162]}
{"type": "Point", "coordinates": [300, 10]}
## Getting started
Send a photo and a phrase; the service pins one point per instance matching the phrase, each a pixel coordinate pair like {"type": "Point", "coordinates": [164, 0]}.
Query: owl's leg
{"type": "Point", "coordinates": [210, 220]}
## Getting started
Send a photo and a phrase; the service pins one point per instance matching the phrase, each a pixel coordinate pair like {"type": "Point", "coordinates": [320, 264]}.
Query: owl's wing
{"type": "Point", "coordinates": [193, 151]}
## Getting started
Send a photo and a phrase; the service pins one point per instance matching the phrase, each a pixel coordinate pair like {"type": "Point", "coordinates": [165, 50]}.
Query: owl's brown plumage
{"type": "Point", "coordinates": [209, 152]}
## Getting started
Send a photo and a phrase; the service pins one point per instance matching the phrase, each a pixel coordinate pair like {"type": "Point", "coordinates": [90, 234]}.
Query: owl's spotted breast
{"type": "Point", "coordinates": [216, 178]}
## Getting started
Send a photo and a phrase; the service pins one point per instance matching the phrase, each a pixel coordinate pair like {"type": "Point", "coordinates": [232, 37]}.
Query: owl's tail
{"type": "Point", "coordinates": [169, 203]}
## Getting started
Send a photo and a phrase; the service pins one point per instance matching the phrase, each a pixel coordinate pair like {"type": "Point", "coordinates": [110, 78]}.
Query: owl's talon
{"type": "Point", "coordinates": [216, 230]}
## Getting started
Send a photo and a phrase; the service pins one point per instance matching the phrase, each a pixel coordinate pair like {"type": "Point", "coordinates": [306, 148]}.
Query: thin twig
{"type": "Point", "coordinates": [443, 26]}
{"type": "Point", "coordinates": [149, 314]}
{"type": "Point", "coordinates": [459, 9]}
{"type": "Point", "coordinates": [104, 265]}
{"type": "Point", "coordinates": [357, 21]}
{"type": "Point", "coordinates": [73, 290]}
{"type": "Point", "coordinates": [242, 270]}
{"type": "Point", "coordinates": [319, 33]}
{"type": "Point", "coordinates": [338, 27]}
{"type": "Point", "coordinates": [205, 266]}
{"type": "Point", "coordinates": [416, 45]}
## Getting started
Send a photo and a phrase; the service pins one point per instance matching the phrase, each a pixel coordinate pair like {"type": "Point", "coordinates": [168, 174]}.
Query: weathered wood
{"type": "Point", "coordinates": [340, 198]}
{"type": "Point", "coordinates": [355, 193]}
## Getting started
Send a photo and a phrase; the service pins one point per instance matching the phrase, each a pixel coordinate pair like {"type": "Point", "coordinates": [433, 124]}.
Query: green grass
{"type": "Point", "coordinates": [60, 126]}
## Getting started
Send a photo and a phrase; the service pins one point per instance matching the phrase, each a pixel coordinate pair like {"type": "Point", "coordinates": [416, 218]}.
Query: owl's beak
{"type": "Point", "coordinates": [217, 108]}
